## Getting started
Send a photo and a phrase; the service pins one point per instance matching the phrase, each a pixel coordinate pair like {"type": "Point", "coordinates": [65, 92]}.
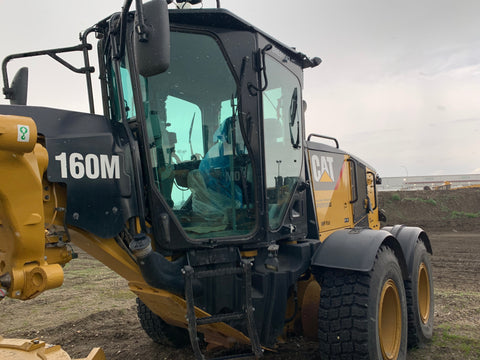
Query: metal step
{"type": "Point", "coordinates": [245, 269]}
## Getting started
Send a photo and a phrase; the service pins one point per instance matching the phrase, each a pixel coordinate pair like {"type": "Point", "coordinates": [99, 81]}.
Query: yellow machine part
{"type": "Point", "coordinates": [332, 201]}
{"type": "Point", "coordinates": [22, 226]}
{"type": "Point", "coordinates": [302, 312]}
{"type": "Point", "coordinates": [20, 349]}
{"type": "Point", "coordinates": [333, 194]}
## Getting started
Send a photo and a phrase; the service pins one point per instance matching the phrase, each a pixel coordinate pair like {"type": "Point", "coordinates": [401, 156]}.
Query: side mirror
{"type": "Point", "coordinates": [152, 38]}
{"type": "Point", "coordinates": [19, 88]}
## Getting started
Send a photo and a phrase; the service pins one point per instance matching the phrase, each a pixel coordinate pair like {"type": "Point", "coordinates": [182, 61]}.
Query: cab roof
{"type": "Point", "coordinates": [222, 18]}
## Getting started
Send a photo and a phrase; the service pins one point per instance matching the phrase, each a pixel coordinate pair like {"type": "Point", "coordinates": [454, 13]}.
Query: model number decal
{"type": "Point", "coordinates": [92, 166]}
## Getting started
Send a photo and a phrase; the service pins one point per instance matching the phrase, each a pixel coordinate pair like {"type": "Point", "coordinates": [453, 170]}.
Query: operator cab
{"type": "Point", "coordinates": [223, 129]}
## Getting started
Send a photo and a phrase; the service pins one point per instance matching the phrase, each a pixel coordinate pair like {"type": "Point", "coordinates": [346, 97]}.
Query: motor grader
{"type": "Point", "coordinates": [199, 186]}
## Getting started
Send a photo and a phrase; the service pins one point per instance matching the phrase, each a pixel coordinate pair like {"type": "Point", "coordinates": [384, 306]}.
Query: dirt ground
{"type": "Point", "coordinates": [94, 309]}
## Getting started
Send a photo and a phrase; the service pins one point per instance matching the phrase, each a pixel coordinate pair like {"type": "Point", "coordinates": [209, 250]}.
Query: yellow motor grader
{"type": "Point", "coordinates": [199, 186]}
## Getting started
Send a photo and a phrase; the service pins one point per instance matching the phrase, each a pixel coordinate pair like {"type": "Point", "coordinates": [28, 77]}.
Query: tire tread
{"type": "Point", "coordinates": [158, 330]}
{"type": "Point", "coordinates": [342, 314]}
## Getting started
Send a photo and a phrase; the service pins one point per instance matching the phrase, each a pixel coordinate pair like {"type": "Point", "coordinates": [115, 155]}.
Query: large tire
{"type": "Point", "coordinates": [363, 315]}
{"type": "Point", "coordinates": [419, 290]}
{"type": "Point", "coordinates": [159, 331]}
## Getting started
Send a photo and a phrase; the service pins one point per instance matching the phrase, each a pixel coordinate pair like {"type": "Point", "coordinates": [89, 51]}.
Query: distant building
{"type": "Point", "coordinates": [428, 182]}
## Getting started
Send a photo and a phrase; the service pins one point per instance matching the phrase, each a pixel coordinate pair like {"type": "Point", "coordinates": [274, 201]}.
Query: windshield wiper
{"type": "Point", "coordinates": [293, 115]}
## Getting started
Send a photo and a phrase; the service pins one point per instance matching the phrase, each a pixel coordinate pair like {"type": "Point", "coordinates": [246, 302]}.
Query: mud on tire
{"type": "Point", "coordinates": [158, 330]}
{"type": "Point", "coordinates": [349, 314]}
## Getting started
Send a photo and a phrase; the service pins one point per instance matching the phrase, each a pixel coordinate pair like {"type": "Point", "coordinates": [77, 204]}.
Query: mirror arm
{"type": "Point", "coordinates": [7, 91]}
{"type": "Point", "coordinates": [140, 27]}
{"type": "Point", "coordinates": [123, 28]}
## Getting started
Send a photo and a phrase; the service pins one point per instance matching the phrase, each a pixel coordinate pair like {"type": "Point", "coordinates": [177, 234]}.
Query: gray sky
{"type": "Point", "coordinates": [399, 85]}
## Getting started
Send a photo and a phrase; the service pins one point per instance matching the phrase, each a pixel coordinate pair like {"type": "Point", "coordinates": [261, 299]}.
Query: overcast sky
{"type": "Point", "coordinates": [399, 85]}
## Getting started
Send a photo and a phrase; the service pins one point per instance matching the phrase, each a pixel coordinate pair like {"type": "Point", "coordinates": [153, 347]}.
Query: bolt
{"type": "Point", "coordinates": [47, 197]}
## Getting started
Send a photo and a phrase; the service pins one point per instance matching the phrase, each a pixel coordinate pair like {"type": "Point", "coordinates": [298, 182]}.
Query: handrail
{"type": "Point", "coordinates": [354, 200]}
{"type": "Point", "coordinates": [324, 137]}
{"type": "Point", "coordinates": [374, 189]}
{"type": "Point", "coordinates": [53, 54]}
{"type": "Point", "coordinates": [88, 74]}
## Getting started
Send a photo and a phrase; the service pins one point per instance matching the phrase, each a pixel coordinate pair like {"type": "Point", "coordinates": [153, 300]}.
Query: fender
{"type": "Point", "coordinates": [356, 249]}
{"type": "Point", "coordinates": [407, 236]}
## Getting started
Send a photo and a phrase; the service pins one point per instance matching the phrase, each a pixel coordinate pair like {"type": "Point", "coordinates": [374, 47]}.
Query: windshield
{"type": "Point", "coordinates": [200, 162]}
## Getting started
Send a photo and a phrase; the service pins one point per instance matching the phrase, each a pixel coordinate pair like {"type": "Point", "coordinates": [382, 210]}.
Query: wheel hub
{"type": "Point", "coordinates": [390, 321]}
{"type": "Point", "coordinates": [423, 293]}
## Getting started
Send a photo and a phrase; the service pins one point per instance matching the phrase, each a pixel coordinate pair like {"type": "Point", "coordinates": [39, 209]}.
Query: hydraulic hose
{"type": "Point", "coordinates": [156, 270]}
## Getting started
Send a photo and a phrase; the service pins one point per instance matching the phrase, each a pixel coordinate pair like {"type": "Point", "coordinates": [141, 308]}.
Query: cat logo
{"type": "Point", "coordinates": [322, 168]}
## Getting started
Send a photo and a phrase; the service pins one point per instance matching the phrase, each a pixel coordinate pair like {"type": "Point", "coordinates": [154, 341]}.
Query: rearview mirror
{"type": "Point", "coordinates": [19, 88]}
{"type": "Point", "coordinates": [152, 38]}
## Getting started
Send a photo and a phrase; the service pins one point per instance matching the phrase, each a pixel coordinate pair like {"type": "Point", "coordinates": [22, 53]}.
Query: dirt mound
{"type": "Point", "coordinates": [457, 210]}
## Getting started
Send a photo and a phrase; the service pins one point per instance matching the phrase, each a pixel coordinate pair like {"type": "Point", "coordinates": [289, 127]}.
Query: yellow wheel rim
{"type": "Point", "coordinates": [310, 305]}
{"type": "Point", "coordinates": [390, 321]}
{"type": "Point", "coordinates": [423, 293]}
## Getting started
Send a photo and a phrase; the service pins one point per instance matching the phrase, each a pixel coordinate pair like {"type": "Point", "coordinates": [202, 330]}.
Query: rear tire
{"type": "Point", "coordinates": [420, 303]}
{"type": "Point", "coordinates": [159, 331]}
{"type": "Point", "coordinates": [363, 315]}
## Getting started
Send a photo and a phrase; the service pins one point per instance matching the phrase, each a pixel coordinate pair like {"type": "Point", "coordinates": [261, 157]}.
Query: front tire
{"type": "Point", "coordinates": [363, 315]}
{"type": "Point", "coordinates": [420, 303]}
{"type": "Point", "coordinates": [159, 331]}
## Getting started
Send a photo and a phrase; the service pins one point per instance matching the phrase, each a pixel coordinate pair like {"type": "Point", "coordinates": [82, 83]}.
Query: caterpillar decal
{"type": "Point", "coordinates": [331, 189]}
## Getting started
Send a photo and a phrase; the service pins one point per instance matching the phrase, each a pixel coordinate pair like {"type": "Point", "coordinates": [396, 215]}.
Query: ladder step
{"type": "Point", "coordinates": [220, 318]}
{"type": "Point", "coordinates": [217, 272]}
{"type": "Point", "coordinates": [235, 356]}
{"type": "Point", "coordinates": [246, 315]}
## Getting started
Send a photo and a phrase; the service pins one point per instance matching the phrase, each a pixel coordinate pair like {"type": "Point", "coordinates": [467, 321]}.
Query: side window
{"type": "Point", "coordinates": [173, 142]}
{"type": "Point", "coordinates": [189, 144]}
{"type": "Point", "coordinates": [226, 109]}
{"type": "Point", "coordinates": [128, 101]}
{"type": "Point", "coordinates": [127, 93]}
{"type": "Point", "coordinates": [282, 131]}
